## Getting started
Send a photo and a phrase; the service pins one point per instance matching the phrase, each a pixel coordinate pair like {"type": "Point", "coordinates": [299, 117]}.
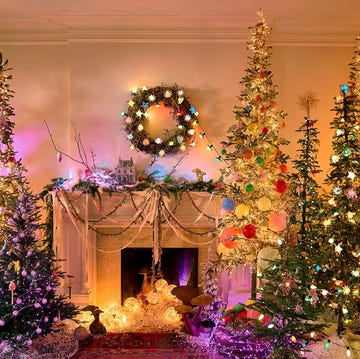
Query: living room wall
{"type": "Point", "coordinates": [89, 84]}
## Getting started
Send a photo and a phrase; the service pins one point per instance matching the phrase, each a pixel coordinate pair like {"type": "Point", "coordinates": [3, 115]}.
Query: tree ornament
{"type": "Point", "coordinates": [277, 222]}
{"type": "Point", "coordinates": [264, 204]}
{"type": "Point", "coordinates": [12, 287]}
{"type": "Point", "coordinates": [249, 188]}
{"type": "Point", "coordinates": [247, 154]}
{"type": "Point", "coordinates": [59, 157]}
{"type": "Point", "coordinates": [228, 233]}
{"type": "Point", "coordinates": [249, 231]}
{"type": "Point", "coordinates": [241, 210]}
{"type": "Point", "coordinates": [259, 161]}
{"type": "Point", "coordinates": [283, 168]}
{"type": "Point", "coordinates": [228, 204]}
{"type": "Point", "coordinates": [280, 186]}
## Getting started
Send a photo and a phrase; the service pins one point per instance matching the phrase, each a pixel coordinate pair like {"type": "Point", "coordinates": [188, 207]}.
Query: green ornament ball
{"type": "Point", "coordinates": [259, 160]}
{"type": "Point", "coordinates": [347, 151]}
{"type": "Point", "coordinates": [239, 307]}
{"type": "Point", "coordinates": [167, 178]}
{"type": "Point", "coordinates": [223, 151]}
{"type": "Point", "coordinates": [249, 188]}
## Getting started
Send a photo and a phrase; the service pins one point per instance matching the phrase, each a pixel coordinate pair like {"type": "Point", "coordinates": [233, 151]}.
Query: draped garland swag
{"type": "Point", "coordinates": [154, 205]}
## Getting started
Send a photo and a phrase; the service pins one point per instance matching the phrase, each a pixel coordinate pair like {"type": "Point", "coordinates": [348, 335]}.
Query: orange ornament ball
{"type": "Point", "coordinates": [229, 232]}
{"type": "Point", "coordinates": [247, 154]}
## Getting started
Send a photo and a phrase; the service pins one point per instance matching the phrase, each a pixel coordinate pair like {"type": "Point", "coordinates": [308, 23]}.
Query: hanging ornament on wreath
{"type": "Point", "coordinates": [138, 122]}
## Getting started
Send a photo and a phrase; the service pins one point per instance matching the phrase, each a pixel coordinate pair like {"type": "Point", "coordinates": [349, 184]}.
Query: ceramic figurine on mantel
{"type": "Point", "coordinates": [125, 172]}
{"type": "Point", "coordinates": [199, 174]}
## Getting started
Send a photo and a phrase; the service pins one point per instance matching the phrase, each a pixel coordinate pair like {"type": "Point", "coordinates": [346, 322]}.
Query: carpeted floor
{"type": "Point", "coordinates": [139, 345]}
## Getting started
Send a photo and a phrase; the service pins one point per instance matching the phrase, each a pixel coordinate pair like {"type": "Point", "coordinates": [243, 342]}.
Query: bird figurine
{"type": "Point", "coordinates": [96, 327]}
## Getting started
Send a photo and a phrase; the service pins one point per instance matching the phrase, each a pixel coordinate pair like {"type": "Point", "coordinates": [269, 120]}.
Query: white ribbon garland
{"type": "Point", "coordinates": [151, 216]}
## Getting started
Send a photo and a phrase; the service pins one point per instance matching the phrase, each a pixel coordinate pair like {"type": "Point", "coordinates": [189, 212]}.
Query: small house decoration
{"type": "Point", "coordinates": [125, 172]}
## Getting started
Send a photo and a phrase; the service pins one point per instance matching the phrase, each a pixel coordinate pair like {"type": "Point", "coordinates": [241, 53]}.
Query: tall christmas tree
{"type": "Point", "coordinates": [290, 295]}
{"type": "Point", "coordinates": [341, 248]}
{"type": "Point", "coordinates": [354, 78]}
{"type": "Point", "coordinates": [256, 179]}
{"type": "Point", "coordinates": [29, 278]}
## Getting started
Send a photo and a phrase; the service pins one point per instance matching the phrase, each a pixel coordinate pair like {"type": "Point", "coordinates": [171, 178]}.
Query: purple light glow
{"type": "Point", "coordinates": [185, 269]}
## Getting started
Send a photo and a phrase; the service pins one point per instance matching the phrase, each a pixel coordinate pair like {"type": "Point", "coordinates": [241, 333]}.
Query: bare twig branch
{"type": "Point", "coordinates": [79, 146]}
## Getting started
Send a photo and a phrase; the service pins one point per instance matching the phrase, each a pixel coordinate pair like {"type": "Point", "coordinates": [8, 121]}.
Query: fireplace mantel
{"type": "Point", "coordinates": [80, 221]}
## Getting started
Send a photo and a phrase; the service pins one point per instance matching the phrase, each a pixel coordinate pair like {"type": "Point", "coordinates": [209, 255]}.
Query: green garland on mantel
{"type": "Point", "coordinates": [165, 187]}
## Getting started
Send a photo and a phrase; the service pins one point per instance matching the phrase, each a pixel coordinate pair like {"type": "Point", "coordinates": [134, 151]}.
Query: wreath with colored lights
{"type": "Point", "coordinates": [172, 141]}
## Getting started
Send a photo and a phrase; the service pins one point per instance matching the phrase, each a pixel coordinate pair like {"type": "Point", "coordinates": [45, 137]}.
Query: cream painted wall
{"type": "Point", "coordinates": [90, 83]}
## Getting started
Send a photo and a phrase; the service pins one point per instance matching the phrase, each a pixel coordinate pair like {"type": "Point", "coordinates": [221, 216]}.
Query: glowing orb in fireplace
{"type": "Point", "coordinates": [152, 297]}
{"type": "Point", "coordinates": [131, 304]}
{"type": "Point", "coordinates": [172, 315]}
{"type": "Point", "coordinates": [161, 285]}
{"type": "Point", "coordinates": [169, 288]}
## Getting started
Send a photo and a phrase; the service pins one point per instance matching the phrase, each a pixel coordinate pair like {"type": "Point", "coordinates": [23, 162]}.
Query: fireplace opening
{"type": "Point", "coordinates": [179, 266]}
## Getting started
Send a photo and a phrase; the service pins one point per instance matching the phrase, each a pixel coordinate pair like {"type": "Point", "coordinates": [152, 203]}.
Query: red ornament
{"type": "Point", "coordinates": [257, 98]}
{"type": "Point", "coordinates": [241, 315]}
{"type": "Point", "coordinates": [314, 172]}
{"type": "Point", "coordinates": [283, 168]}
{"type": "Point", "coordinates": [262, 74]}
{"type": "Point", "coordinates": [219, 185]}
{"type": "Point", "coordinates": [227, 319]}
{"type": "Point", "coordinates": [11, 159]}
{"type": "Point", "coordinates": [249, 231]}
{"type": "Point", "coordinates": [280, 186]}
{"type": "Point", "coordinates": [263, 109]}
{"type": "Point", "coordinates": [265, 130]}
{"type": "Point", "coordinates": [88, 173]}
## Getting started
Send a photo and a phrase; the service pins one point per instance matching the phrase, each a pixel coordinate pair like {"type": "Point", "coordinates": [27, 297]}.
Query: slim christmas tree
{"type": "Point", "coordinates": [354, 78]}
{"type": "Point", "coordinates": [29, 278]}
{"type": "Point", "coordinates": [340, 249]}
{"type": "Point", "coordinates": [290, 295]}
{"type": "Point", "coordinates": [256, 178]}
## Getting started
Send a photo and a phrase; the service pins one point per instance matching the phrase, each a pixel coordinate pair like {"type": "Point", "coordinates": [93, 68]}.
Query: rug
{"type": "Point", "coordinates": [139, 345]}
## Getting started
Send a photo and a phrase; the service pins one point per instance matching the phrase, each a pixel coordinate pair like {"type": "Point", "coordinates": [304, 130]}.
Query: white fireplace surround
{"type": "Point", "coordinates": [92, 260]}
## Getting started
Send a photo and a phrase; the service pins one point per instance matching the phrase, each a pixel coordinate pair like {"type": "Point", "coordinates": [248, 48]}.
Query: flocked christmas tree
{"type": "Point", "coordinates": [290, 296]}
{"type": "Point", "coordinates": [29, 278]}
{"type": "Point", "coordinates": [256, 178]}
{"type": "Point", "coordinates": [341, 248]}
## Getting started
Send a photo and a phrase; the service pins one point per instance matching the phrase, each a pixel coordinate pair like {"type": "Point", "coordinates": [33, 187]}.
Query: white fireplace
{"type": "Point", "coordinates": [90, 236]}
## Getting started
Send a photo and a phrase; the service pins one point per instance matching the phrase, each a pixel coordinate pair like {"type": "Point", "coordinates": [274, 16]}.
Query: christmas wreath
{"type": "Point", "coordinates": [173, 140]}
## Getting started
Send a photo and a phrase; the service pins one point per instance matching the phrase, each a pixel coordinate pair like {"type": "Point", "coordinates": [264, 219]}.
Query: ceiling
{"type": "Point", "coordinates": [293, 21]}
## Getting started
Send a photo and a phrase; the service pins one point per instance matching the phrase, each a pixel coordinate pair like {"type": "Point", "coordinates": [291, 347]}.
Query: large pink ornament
{"type": "Point", "coordinates": [249, 231]}
{"type": "Point", "coordinates": [277, 222]}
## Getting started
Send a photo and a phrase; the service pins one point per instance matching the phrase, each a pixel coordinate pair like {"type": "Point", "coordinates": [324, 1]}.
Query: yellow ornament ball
{"type": "Point", "coordinates": [264, 204]}
{"type": "Point", "coordinates": [252, 127]}
{"type": "Point", "coordinates": [221, 249]}
{"type": "Point", "coordinates": [242, 210]}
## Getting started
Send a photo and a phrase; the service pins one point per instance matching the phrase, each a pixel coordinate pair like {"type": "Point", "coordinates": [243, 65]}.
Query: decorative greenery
{"type": "Point", "coordinates": [182, 111]}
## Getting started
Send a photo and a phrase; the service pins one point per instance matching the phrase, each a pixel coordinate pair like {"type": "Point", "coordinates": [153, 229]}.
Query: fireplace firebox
{"type": "Point", "coordinates": [178, 266]}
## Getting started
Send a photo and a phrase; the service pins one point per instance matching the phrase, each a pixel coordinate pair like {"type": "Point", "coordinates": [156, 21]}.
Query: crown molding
{"type": "Point", "coordinates": [121, 28]}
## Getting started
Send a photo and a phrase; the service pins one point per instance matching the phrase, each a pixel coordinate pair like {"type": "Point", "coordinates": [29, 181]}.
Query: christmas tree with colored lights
{"type": "Point", "coordinates": [290, 297]}
{"type": "Point", "coordinates": [256, 178]}
{"type": "Point", "coordinates": [341, 249]}
{"type": "Point", "coordinates": [29, 278]}
{"type": "Point", "coordinates": [354, 78]}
